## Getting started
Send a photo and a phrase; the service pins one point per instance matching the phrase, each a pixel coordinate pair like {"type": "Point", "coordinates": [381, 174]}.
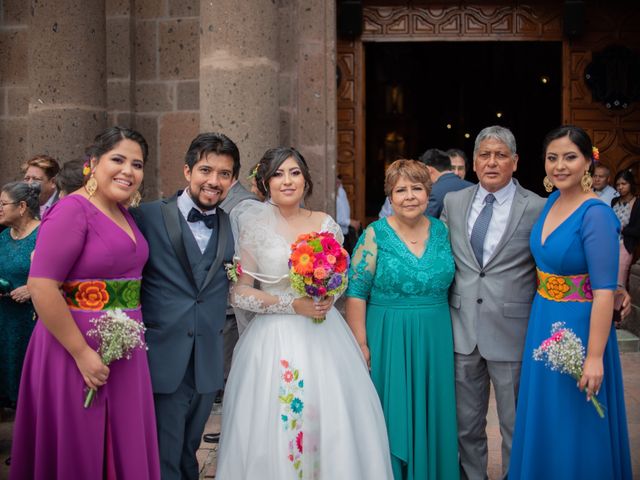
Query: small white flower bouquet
{"type": "Point", "coordinates": [118, 336]}
{"type": "Point", "coordinates": [563, 352]}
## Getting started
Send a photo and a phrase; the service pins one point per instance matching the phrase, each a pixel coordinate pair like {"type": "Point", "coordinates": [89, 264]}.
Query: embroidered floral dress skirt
{"type": "Point", "coordinates": [299, 403]}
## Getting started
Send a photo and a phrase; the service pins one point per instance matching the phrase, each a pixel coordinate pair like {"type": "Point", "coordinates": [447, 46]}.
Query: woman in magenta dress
{"type": "Point", "coordinates": [88, 259]}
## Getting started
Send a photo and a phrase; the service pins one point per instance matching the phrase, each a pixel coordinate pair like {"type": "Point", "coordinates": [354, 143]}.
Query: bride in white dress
{"type": "Point", "coordinates": [299, 402]}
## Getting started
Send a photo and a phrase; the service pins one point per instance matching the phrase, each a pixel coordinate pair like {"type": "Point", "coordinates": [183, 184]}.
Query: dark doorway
{"type": "Point", "coordinates": [441, 94]}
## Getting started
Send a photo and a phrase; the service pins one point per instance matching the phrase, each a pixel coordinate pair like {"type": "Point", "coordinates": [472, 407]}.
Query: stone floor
{"type": "Point", "coordinates": [207, 452]}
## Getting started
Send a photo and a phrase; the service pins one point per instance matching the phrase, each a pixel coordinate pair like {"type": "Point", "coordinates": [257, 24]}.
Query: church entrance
{"type": "Point", "coordinates": [421, 95]}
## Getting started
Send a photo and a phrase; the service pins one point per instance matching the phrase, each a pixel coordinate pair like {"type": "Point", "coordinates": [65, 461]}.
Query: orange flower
{"type": "Point", "coordinates": [92, 295]}
{"type": "Point", "coordinates": [302, 260]}
{"type": "Point", "coordinates": [557, 287]}
{"type": "Point", "coordinates": [320, 273]}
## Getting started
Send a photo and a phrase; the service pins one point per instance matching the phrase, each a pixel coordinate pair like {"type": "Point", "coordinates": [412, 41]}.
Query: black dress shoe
{"type": "Point", "coordinates": [211, 437]}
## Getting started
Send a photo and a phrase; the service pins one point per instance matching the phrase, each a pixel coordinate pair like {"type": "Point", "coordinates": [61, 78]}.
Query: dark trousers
{"type": "Point", "coordinates": [181, 417]}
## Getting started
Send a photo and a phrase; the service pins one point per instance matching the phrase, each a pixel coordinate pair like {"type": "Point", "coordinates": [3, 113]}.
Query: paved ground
{"type": "Point", "coordinates": [207, 452]}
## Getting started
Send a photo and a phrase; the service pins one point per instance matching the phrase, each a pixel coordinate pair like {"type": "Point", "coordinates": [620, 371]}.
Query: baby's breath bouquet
{"type": "Point", "coordinates": [563, 352]}
{"type": "Point", "coordinates": [118, 335]}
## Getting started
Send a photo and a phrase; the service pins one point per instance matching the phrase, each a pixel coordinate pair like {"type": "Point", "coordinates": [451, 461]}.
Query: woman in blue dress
{"type": "Point", "coordinates": [558, 433]}
{"type": "Point", "coordinates": [398, 310]}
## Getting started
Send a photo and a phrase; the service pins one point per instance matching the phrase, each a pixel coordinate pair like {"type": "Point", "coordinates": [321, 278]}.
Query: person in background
{"type": "Point", "coordinates": [459, 162]}
{"type": "Point", "coordinates": [397, 307]}
{"type": "Point", "coordinates": [87, 263]}
{"type": "Point", "coordinates": [559, 434]}
{"type": "Point", "coordinates": [19, 210]}
{"type": "Point", "coordinates": [443, 178]}
{"type": "Point", "coordinates": [43, 170]}
{"type": "Point", "coordinates": [601, 187]}
{"type": "Point", "coordinates": [70, 177]}
{"type": "Point", "coordinates": [349, 226]}
{"type": "Point", "coordinates": [626, 208]}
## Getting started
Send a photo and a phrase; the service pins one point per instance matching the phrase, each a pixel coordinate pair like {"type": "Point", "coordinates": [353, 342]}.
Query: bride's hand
{"type": "Point", "coordinates": [307, 307]}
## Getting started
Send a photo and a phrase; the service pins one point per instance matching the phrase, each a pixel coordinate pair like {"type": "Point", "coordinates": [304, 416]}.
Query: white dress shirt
{"type": "Point", "coordinates": [200, 231]}
{"type": "Point", "coordinates": [499, 218]}
{"type": "Point", "coordinates": [343, 210]}
{"type": "Point", "coordinates": [49, 203]}
{"type": "Point", "coordinates": [607, 194]}
{"type": "Point", "coordinates": [386, 210]}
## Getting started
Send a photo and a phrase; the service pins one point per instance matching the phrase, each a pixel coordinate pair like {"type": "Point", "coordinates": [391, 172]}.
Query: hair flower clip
{"type": "Point", "coordinates": [595, 153]}
{"type": "Point", "coordinates": [253, 173]}
{"type": "Point", "coordinates": [86, 170]}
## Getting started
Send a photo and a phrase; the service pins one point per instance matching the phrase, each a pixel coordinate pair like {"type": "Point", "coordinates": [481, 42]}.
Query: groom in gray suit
{"type": "Point", "coordinates": [491, 296]}
{"type": "Point", "coordinates": [184, 297]}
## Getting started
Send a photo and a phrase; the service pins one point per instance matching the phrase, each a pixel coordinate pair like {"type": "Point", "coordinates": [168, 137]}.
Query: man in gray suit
{"type": "Point", "coordinates": [491, 296]}
{"type": "Point", "coordinates": [184, 299]}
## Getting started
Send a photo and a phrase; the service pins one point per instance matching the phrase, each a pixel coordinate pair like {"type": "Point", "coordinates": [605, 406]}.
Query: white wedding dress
{"type": "Point", "coordinates": [299, 402]}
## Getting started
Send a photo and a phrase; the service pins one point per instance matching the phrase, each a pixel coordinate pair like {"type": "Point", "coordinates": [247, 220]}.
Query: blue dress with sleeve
{"type": "Point", "coordinates": [411, 345]}
{"type": "Point", "coordinates": [558, 434]}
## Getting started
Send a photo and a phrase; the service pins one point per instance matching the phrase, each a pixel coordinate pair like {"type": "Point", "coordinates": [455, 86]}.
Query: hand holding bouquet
{"type": "Point", "coordinates": [318, 266]}
{"type": "Point", "coordinates": [118, 336]}
{"type": "Point", "coordinates": [563, 352]}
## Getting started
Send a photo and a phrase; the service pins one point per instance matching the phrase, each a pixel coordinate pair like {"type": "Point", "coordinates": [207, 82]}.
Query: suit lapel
{"type": "Point", "coordinates": [170, 214]}
{"type": "Point", "coordinates": [465, 220]}
{"type": "Point", "coordinates": [223, 234]}
{"type": "Point", "coordinates": [518, 207]}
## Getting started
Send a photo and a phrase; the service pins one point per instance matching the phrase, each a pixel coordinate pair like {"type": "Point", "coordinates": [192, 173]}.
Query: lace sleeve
{"type": "Point", "coordinates": [330, 225]}
{"type": "Point", "coordinates": [255, 229]}
{"type": "Point", "coordinates": [363, 265]}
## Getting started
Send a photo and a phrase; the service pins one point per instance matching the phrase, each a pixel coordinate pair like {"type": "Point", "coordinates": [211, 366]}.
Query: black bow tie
{"type": "Point", "coordinates": [197, 216]}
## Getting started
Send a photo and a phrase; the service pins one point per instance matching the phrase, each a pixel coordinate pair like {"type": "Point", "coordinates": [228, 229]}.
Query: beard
{"type": "Point", "coordinates": [202, 206]}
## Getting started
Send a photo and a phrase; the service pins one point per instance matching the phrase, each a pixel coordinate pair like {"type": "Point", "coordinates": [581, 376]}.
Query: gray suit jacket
{"type": "Point", "coordinates": [183, 315]}
{"type": "Point", "coordinates": [490, 306]}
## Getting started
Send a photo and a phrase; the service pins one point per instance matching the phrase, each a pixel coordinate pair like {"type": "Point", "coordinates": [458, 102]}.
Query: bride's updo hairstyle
{"type": "Point", "coordinates": [271, 162]}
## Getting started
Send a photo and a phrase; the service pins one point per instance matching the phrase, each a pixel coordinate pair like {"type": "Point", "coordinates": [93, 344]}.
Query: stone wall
{"type": "Point", "coordinates": [14, 89]}
{"type": "Point", "coordinates": [267, 71]}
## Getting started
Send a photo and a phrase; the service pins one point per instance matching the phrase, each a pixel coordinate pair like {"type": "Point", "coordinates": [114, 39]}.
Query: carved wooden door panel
{"type": "Point", "coordinates": [351, 150]}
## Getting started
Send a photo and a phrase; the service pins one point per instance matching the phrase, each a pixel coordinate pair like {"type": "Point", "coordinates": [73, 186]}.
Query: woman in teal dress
{"type": "Point", "coordinates": [19, 209]}
{"type": "Point", "coordinates": [558, 434]}
{"type": "Point", "coordinates": [397, 308]}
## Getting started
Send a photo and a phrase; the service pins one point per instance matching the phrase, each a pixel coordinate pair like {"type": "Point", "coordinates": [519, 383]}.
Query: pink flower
{"type": "Point", "coordinates": [320, 273]}
{"type": "Point", "coordinates": [287, 376]}
{"type": "Point", "coordinates": [284, 363]}
{"type": "Point", "coordinates": [331, 259]}
{"type": "Point", "coordinates": [556, 337]}
{"type": "Point", "coordinates": [322, 291]}
{"type": "Point", "coordinates": [299, 442]}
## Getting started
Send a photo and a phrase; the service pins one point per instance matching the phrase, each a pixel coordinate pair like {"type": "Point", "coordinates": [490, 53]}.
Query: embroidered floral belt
{"type": "Point", "coordinates": [565, 288]}
{"type": "Point", "coordinates": [96, 295]}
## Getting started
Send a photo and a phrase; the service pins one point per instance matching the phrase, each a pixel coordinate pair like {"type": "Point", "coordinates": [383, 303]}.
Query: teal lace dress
{"type": "Point", "coordinates": [16, 319]}
{"type": "Point", "coordinates": [411, 345]}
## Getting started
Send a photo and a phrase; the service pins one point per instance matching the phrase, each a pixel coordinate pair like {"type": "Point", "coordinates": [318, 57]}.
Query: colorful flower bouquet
{"type": "Point", "coordinates": [318, 266]}
{"type": "Point", "coordinates": [118, 336]}
{"type": "Point", "coordinates": [563, 352]}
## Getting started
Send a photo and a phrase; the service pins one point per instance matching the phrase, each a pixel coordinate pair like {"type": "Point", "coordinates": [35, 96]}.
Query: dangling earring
{"type": "Point", "coordinates": [586, 182]}
{"type": "Point", "coordinates": [135, 199]}
{"type": "Point", "coordinates": [548, 186]}
{"type": "Point", "coordinates": [91, 186]}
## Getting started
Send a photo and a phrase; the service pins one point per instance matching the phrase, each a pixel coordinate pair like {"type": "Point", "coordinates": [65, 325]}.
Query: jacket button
{"type": "Point", "coordinates": [479, 300]}
{"type": "Point", "coordinates": [482, 274]}
{"type": "Point", "coordinates": [190, 333]}
{"type": "Point", "coordinates": [198, 300]}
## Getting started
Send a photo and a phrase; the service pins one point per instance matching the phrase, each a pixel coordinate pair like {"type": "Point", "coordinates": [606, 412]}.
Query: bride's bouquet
{"type": "Point", "coordinates": [563, 352]}
{"type": "Point", "coordinates": [318, 266]}
{"type": "Point", "coordinates": [118, 336]}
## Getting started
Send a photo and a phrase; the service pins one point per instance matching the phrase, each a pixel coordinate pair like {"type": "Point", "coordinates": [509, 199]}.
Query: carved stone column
{"type": "Point", "coordinates": [67, 84]}
{"type": "Point", "coordinates": [239, 74]}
